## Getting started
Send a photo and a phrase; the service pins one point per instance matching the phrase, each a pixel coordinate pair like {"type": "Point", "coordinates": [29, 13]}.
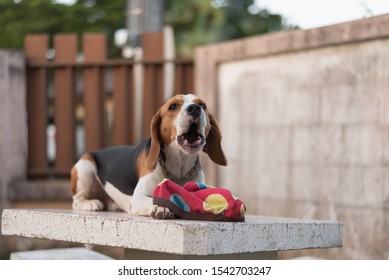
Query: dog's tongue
{"type": "Point", "coordinates": [191, 137]}
{"type": "Point", "coordinates": [195, 141]}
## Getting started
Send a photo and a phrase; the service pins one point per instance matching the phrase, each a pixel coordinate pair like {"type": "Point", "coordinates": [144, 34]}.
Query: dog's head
{"type": "Point", "coordinates": [185, 122]}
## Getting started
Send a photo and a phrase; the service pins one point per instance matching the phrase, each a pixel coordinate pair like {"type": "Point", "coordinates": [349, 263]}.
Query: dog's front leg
{"type": "Point", "coordinates": [142, 201]}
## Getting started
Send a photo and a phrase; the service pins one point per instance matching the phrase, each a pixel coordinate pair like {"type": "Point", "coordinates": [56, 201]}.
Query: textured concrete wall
{"type": "Point", "coordinates": [305, 121]}
{"type": "Point", "coordinates": [307, 135]}
{"type": "Point", "coordinates": [13, 130]}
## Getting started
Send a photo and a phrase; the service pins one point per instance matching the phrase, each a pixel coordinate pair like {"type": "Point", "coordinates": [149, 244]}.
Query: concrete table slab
{"type": "Point", "coordinates": [146, 238]}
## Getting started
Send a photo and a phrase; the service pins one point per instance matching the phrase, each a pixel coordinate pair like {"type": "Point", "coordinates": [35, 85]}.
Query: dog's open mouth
{"type": "Point", "coordinates": [191, 141]}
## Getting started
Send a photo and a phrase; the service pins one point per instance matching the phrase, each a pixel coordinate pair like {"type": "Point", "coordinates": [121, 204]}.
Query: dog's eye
{"type": "Point", "coordinates": [173, 106]}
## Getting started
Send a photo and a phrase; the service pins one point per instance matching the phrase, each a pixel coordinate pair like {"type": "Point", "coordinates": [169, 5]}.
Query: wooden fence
{"type": "Point", "coordinates": [57, 88]}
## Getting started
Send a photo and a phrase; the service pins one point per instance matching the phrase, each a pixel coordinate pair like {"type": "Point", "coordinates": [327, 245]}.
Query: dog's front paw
{"type": "Point", "coordinates": [88, 205]}
{"type": "Point", "coordinates": [159, 212]}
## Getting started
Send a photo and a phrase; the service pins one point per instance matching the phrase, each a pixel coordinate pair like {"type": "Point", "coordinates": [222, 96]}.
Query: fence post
{"type": "Point", "coordinates": [65, 46]}
{"type": "Point", "coordinates": [123, 96]}
{"type": "Point", "coordinates": [184, 77]}
{"type": "Point", "coordinates": [35, 50]}
{"type": "Point", "coordinates": [153, 90]}
{"type": "Point", "coordinates": [94, 48]}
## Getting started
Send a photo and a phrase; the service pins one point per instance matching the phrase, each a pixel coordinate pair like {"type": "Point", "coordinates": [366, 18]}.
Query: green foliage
{"type": "Point", "coordinates": [239, 22]}
{"type": "Point", "coordinates": [18, 18]}
{"type": "Point", "coordinates": [207, 21]}
{"type": "Point", "coordinates": [195, 22]}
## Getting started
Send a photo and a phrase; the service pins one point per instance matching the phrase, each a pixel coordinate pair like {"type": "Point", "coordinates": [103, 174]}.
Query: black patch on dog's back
{"type": "Point", "coordinates": [118, 165]}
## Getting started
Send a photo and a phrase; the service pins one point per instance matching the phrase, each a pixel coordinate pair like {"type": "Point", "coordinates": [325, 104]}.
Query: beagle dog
{"type": "Point", "coordinates": [123, 177]}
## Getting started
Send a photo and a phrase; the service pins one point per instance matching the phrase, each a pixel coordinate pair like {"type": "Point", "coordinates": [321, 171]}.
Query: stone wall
{"type": "Point", "coordinates": [13, 130]}
{"type": "Point", "coordinates": [305, 122]}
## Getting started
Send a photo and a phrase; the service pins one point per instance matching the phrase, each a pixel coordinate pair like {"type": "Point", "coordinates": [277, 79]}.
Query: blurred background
{"type": "Point", "coordinates": [194, 22]}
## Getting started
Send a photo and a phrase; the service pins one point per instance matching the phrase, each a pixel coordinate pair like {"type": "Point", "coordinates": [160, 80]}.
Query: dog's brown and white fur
{"type": "Point", "coordinates": [124, 177]}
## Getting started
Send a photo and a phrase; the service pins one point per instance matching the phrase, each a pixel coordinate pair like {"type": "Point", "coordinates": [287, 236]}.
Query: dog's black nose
{"type": "Point", "coordinates": [194, 110]}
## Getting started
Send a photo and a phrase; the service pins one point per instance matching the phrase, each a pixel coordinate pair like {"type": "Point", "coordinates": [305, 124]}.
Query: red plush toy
{"type": "Point", "coordinates": [198, 201]}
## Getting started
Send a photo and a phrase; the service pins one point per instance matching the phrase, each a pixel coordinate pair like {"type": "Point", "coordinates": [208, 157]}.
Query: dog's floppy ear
{"type": "Point", "coordinates": [155, 147]}
{"type": "Point", "coordinates": [213, 147]}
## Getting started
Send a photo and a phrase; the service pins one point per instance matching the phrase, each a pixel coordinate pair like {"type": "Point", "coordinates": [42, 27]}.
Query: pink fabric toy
{"type": "Point", "coordinates": [198, 201]}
